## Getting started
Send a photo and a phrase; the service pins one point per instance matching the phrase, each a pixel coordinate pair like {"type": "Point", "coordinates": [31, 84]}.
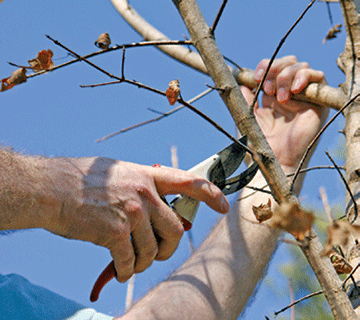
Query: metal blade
{"type": "Point", "coordinates": [236, 183]}
{"type": "Point", "coordinates": [230, 159]}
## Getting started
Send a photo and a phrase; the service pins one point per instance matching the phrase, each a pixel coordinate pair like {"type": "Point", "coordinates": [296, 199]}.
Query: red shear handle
{"type": "Point", "coordinates": [110, 272]}
{"type": "Point", "coordinates": [105, 276]}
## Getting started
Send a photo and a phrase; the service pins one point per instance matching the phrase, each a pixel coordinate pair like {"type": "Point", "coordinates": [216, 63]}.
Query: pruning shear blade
{"type": "Point", "coordinates": [216, 169]}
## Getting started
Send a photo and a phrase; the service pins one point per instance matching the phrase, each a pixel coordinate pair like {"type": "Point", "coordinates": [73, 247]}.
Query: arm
{"type": "Point", "coordinates": [217, 281]}
{"type": "Point", "coordinates": [111, 203]}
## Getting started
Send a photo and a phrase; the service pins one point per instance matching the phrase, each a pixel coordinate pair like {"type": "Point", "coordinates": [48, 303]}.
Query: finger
{"type": "Point", "coordinates": [124, 258]}
{"type": "Point", "coordinates": [305, 76]}
{"type": "Point", "coordinates": [145, 244]}
{"type": "Point", "coordinates": [285, 80]}
{"type": "Point", "coordinates": [172, 181]}
{"type": "Point", "coordinates": [169, 230]}
{"type": "Point", "coordinates": [277, 66]}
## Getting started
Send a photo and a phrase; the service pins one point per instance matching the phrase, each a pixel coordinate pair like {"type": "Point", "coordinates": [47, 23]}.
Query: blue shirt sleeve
{"type": "Point", "coordinates": [20, 300]}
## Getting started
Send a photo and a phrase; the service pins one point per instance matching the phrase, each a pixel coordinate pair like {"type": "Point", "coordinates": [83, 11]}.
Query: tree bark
{"type": "Point", "coordinates": [316, 93]}
{"type": "Point", "coordinates": [349, 63]}
{"type": "Point", "coordinates": [229, 90]}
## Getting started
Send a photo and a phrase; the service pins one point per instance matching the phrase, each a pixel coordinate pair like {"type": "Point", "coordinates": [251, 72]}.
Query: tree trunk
{"type": "Point", "coordinates": [206, 46]}
{"type": "Point", "coordinates": [349, 63]}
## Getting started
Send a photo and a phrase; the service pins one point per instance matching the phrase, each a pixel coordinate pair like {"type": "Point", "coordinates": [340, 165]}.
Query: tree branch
{"type": "Point", "coordinates": [235, 102]}
{"type": "Point", "coordinates": [320, 94]}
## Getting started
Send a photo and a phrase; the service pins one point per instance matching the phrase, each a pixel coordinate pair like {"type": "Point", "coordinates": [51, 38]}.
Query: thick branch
{"type": "Point", "coordinates": [320, 94]}
{"type": "Point", "coordinates": [235, 102]}
{"type": "Point", "coordinates": [350, 65]}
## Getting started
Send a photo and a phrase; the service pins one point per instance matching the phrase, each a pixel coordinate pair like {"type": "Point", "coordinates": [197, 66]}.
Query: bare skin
{"type": "Point", "coordinates": [111, 203]}
{"type": "Point", "coordinates": [117, 205]}
{"type": "Point", "coordinates": [217, 281]}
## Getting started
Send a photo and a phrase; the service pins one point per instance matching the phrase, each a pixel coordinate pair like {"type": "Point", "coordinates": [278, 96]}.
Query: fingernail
{"type": "Point", "coordinates": [282, 95]}
{"type": "Point", "coordinates": [296, 85]}
{"type": "Point", "coordinates": [258, 74]}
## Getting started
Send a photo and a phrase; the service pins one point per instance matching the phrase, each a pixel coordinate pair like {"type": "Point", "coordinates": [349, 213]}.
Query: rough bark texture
{"type": "Point", "coordinates": [245, 121]}
{"type": "Point", "coordinates": [349, 63]}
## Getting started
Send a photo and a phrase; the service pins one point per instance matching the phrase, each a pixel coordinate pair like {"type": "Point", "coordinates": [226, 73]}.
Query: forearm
{"type": "Point", "coordinates": [33, 189]}
{"type": "Point", "coordinates": [217, 281]}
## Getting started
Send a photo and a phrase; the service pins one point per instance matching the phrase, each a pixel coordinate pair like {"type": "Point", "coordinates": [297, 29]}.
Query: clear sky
{"type": "Point", "coordinates": [51, 115]}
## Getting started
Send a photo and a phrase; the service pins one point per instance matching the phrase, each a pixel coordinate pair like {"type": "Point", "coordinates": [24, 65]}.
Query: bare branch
{"type": "Point", "coordinates": [299, 300]}
{"type": "Point", "coordinates": [326, 205]}
{"type": "Point", "coordinates": [165, 114]}
{"type": "Point", "coordinates": [217, 19]}
{"type": "Point", "coordinates": [319, 94]}
{"type": "Point", "coordinates": [319, 135]}
{"type": "Point", "coordinates": [275, 54]}
{"type": "Point", "coordinates": [346, 185]}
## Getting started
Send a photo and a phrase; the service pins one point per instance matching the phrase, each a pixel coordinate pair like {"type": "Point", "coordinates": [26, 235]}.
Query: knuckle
{"type": "Point", "coordinates": [305, 65]}
{"type": "Point", "coordinates": [134, 209]}
{"type": "Point", "coordinates": [146, 259]}
{"type": "Point", "coordinates": [149, 254]}
{"type": "Point", "coordinates": [304, 73]}
{"type": "Point", "coordinates": [178, 232]}
{"type": "Point", "coordinates": [264, 62]}
{"type": "Point", "coordinates": [292, 59]}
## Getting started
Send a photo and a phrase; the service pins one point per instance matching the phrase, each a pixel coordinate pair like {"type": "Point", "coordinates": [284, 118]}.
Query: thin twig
{"type": "Point", "coordinates": [346, 185]}
{"type": "Point", "coordinates": [288, 175]}
{"type": "Point", "coordinates": [233, 62]}
{"type": "Point", "coordinates": [299, 300]}
{"type": "Point", "coordinates": [140, 85]}
{"type": "Point", "coordinates": [312, 143]}
{"type": "Point", "coordinates": [317, 292]}
{"type": "Point", "coordinates": [292, 299]}
{"type": "Point", "coordinates": [329, 12]}
{"type": "Point", "coordinates": [129, 293]}
{"type": "Point", "coordinates": [275, 54]}
{"type": "Point", "coordinates": [155, 119]}
{"type": "Point", "coordinates": [217, 19]}
{"type": "Point", "coordinates": [216, 125]}
{"type": "Point", "coordinates": [326, 205]}
{"type": "Point", "coordinates": [350, 276]}
{"type": "Point", "coordinates": [117, 47]}
{"type": "Point", "coordinates": [83, 59]}
{"type": "Point", "coordinates": [123, 64]}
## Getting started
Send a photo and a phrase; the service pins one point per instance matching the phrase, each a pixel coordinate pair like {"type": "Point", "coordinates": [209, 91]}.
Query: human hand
{"type": "Point", "coordinates": [288, 125]}
{"type": "Point", "coordinates": [117, 205]}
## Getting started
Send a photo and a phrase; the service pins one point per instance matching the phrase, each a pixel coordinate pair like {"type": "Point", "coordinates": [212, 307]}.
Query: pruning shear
{"type": "Point", "coordinates": [216, 169]}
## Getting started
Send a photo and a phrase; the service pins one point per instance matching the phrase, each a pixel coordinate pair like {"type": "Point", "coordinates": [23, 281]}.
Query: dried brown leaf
{"type": "Point", "coordinates": [332, 32]}
{"type": "Point", "coordinates": [18, 76]}
{"type": "Point", "coordinates": [263, 212]}
{"type": "Point", "coordinates": [42, 61]}
{"type": "Point", "coordinates": [340, 264]}
{"type": "Point", "coordinates": [173, 91]}
{"type": "Point", "coordinates": [292, 218]}
{"type": "Point", "coordinates": [338, 233]}
{"type": "Point", "coordinates": [103, 42]}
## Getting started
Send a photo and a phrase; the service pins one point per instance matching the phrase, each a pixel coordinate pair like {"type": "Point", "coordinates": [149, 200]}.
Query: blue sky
{"type": "Point", "coordinates": [51, 115]}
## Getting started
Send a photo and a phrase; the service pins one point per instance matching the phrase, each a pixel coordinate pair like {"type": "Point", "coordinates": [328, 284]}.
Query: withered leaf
{"type": "Point", "coordinates": [173, 91]}
{"type": "Point", "coordinates": [103, 42]}
{"type": "Point", "coordinates": [18, 76]}
{"type": "Point", "coordinates": [338, 233]}
{"type": "Point", "coordinates": [340, 264]}
{"type": "Point", "coordinates": [263, 212]}
{"type": "Point", "coordinates": [292, 218]}
{"type": "Point", "coordinates": [332, 32]}
{"type": "Point", "coordinates": [42, 61]}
